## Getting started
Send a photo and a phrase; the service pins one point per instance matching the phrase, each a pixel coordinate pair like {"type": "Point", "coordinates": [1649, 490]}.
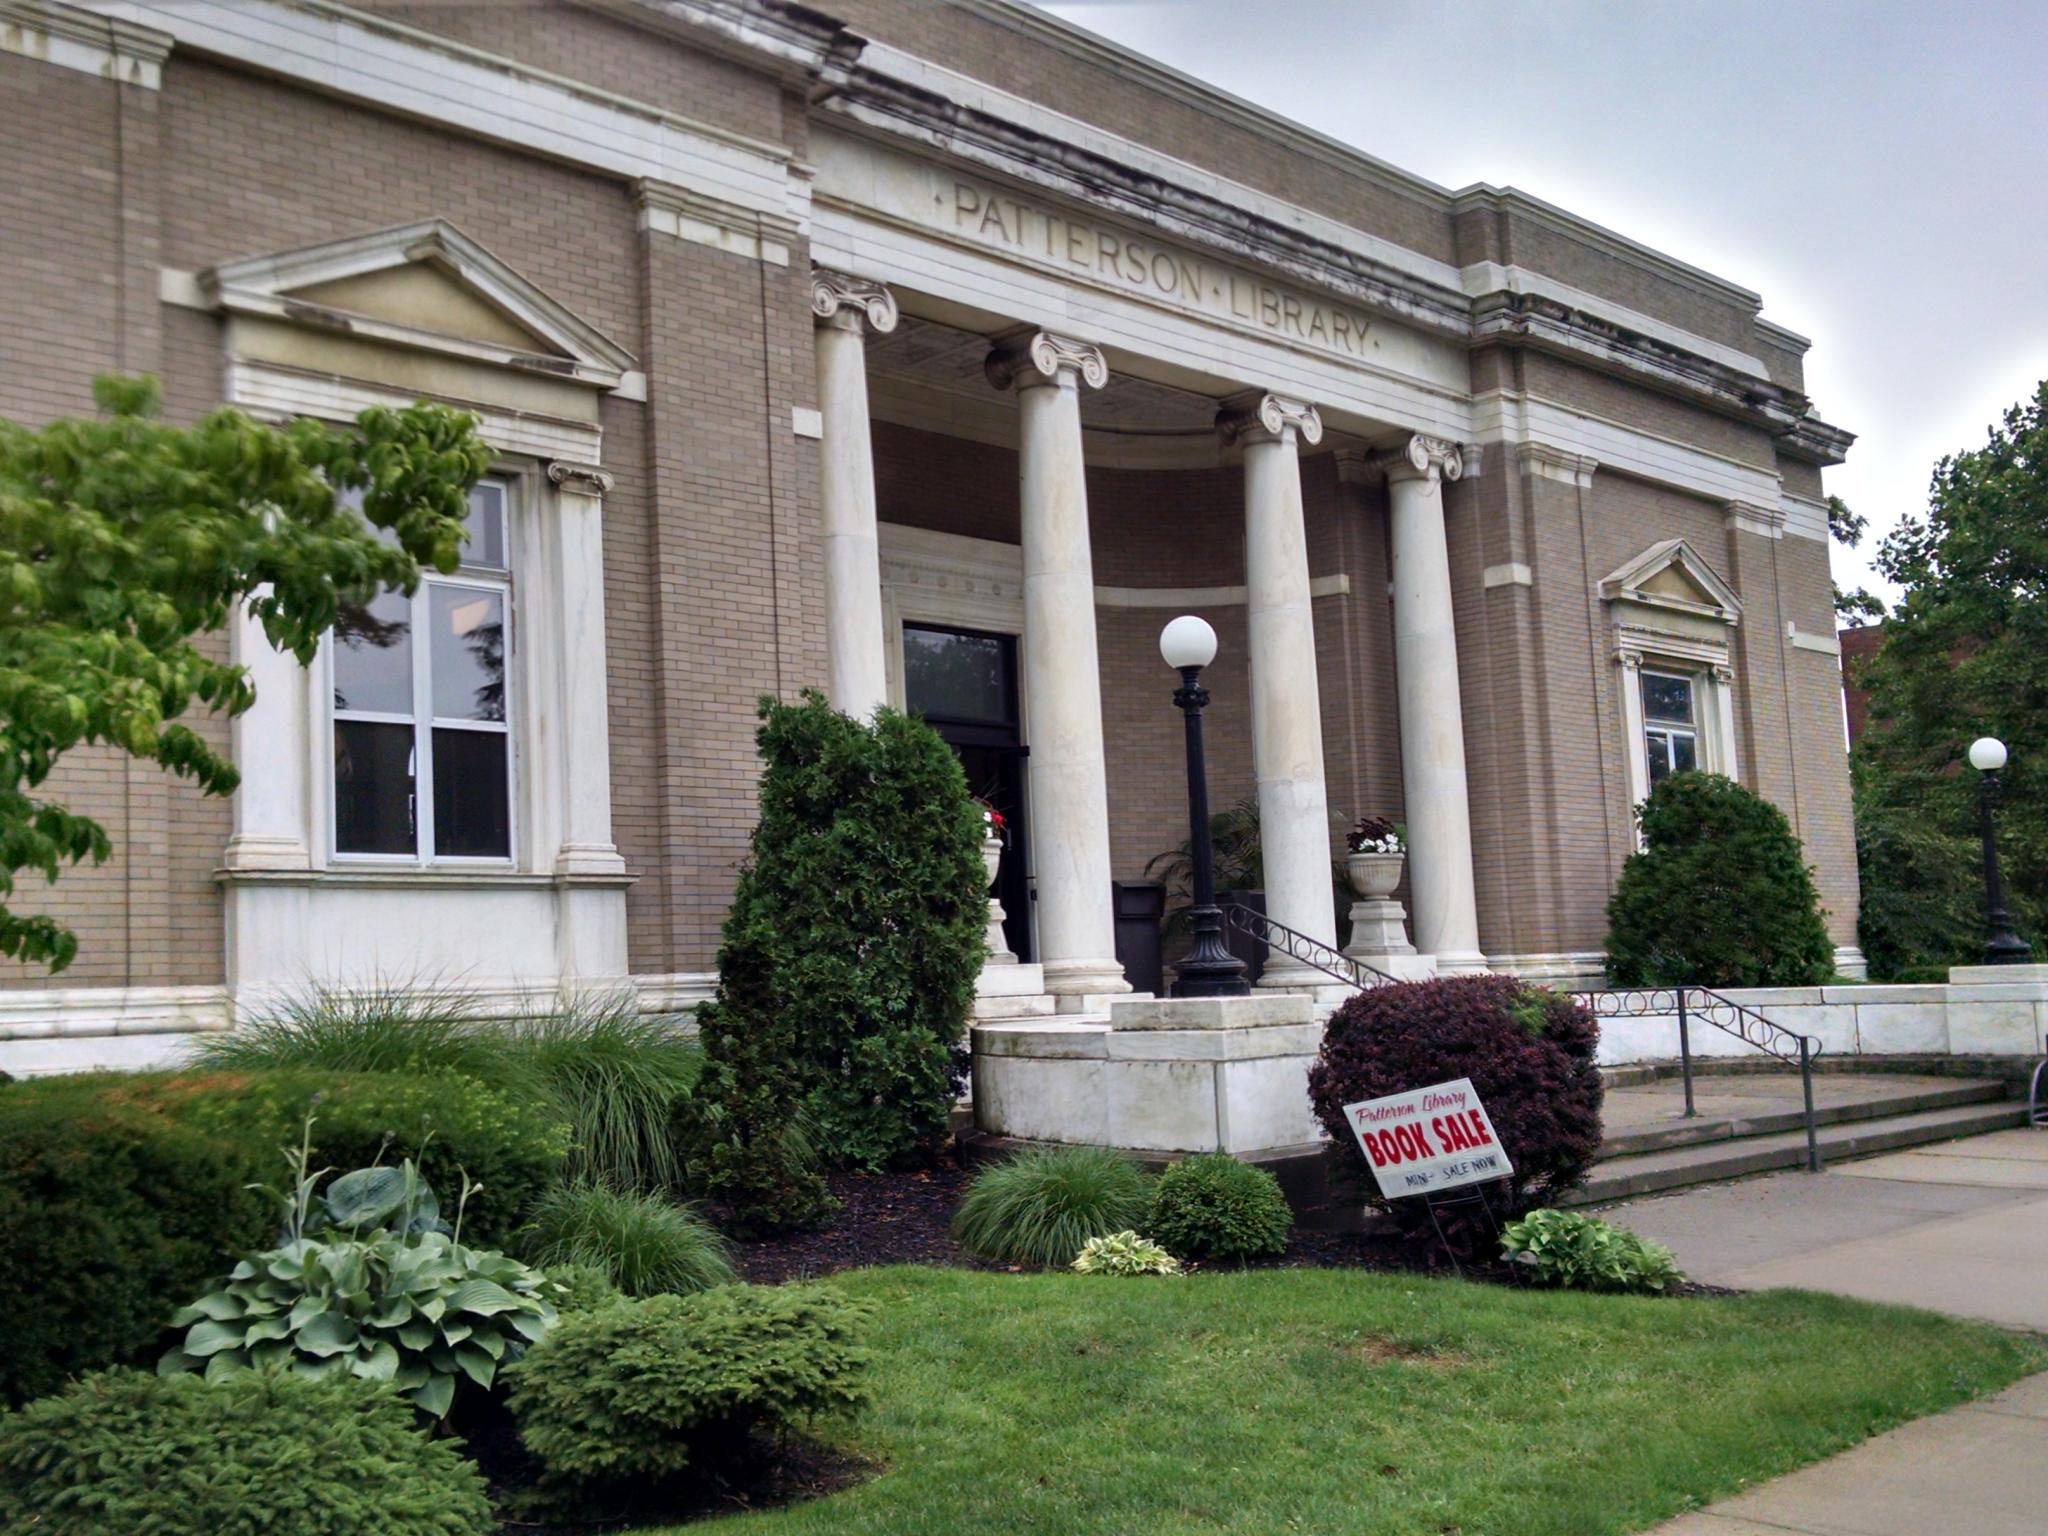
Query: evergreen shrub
{"type": "Point", "coordinates": [848, 962]}
{"type": "Point", "coordinates": [254, 1455]}
{"type": "Point", "coordinates": [123, 1195]}
{"type": "Point", "coordinates": [1211, 1206]}
{"type": "Point", "coordinates": [1719, 896]}
{"type": "Point", "coordinates": [1529, 1054]}
{"type": "Point", "coordinates": [648, 1389]}
{"type": "Point", "coordinates": [1045, 1203]}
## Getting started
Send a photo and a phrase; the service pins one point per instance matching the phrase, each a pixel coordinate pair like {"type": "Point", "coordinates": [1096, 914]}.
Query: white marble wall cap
{"type": "Point", "coordinates": [1295, 1042]}
{"type": "Point", "coordinates": [1027, 358]}
{"type": "Point", "coordinates": [1261, 417]}
{"type": "Point", "coordinates": [1254, 1012]}
{"type": "Point", "coordinates": [839, 298]}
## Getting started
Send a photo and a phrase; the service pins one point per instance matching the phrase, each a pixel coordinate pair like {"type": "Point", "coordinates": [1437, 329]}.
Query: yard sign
{"type": "Point", "coordinates": [1428, 1140]}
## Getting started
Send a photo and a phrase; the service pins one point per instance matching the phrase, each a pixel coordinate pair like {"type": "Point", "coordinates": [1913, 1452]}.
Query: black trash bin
{"type": "Point", "coordinates": [1140, 905]}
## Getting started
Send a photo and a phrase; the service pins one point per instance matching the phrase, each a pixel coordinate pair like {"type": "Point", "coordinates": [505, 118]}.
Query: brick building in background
{"type": "Point", "coordinates": [936, 355]}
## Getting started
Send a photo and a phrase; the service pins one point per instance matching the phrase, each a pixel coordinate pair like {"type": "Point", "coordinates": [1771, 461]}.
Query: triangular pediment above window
{"type": "Point", "coordinates": [425, 286]}
{"type": "Point", "coordinates": [1671, 576]}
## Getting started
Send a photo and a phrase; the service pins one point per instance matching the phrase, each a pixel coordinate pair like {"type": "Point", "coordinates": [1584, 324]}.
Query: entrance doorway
{"type": "Point", "coordinates": [964, 683]}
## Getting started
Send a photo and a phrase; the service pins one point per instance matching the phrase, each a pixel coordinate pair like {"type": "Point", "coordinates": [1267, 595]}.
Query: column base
{"type": "Point", "coordinates": [1465, 962]}
{"type": "Point", "coordinates": [1071, 981]}
{"type": "Point", "coordinates": [1284, 975]}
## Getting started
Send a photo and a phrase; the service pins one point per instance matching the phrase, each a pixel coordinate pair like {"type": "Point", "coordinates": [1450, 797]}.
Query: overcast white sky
{"type": "Point", "coordinates": [1877, 170]}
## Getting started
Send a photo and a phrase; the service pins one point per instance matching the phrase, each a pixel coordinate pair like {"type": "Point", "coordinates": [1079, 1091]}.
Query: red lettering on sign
{"type": "Point", "coordinates": [1479, 1128]}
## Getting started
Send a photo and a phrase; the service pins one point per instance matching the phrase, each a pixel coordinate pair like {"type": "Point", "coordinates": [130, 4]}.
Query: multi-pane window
{"type": "Point", "coordinates": [1671, 732]}
{"type": "Point", "coordinates": [422, 739]}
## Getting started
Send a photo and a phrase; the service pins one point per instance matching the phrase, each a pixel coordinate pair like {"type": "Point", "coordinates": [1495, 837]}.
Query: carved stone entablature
{"type": "Point", "coordinates": [838, 298]}
{"type": "Point", "coordinates": [586, 479]}
{"type": "Point", "coordinates": [1039, 357]}
{"type": "Point", "coordinates": [1254, 418]}
{"type": "Point", "coordinates": [1423, 458]}
{"type": "Point", "coordinates": [1548, 463]}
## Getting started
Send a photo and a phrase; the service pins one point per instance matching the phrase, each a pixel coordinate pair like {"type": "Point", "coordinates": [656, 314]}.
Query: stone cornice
{"type": "Point", "coordinates": [802, 47]}
{"type": "Point", "coordinates": [66, 35]}
{"type": "Point", "coordinates": [1016, 359]}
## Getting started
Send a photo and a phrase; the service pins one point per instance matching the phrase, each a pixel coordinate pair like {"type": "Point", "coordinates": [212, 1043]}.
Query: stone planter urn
{"type": "Point", "coordinates": [999, 952]}
{"type": "Point", "coordinates": [1373, 876]}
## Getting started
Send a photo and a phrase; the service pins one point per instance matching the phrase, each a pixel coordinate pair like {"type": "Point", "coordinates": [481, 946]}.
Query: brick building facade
{"type": "Point", "coordinates": [625, 231]}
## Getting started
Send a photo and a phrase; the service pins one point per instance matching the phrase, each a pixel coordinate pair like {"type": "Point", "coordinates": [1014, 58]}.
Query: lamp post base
{"type": "Point", "coordinates": [1208, 969]}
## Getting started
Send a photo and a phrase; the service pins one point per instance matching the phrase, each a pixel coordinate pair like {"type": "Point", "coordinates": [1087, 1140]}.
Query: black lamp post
{"type": "Point", "coordinates": [1208, 969]}
{"type": "Point", "coordinates": [2003, 947]}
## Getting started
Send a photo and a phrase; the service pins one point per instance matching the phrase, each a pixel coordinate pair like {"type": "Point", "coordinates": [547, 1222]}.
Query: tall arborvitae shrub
{"type": "Point", "coordinates": [849, 960]}
{"type": "Point", "coordinates": [1719, 896]}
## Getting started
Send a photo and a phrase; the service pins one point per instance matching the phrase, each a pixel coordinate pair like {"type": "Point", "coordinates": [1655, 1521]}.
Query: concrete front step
{"type": "Point", "coordinates": [1675, 1167]}
{"type": "Point", "coordinates": [1722, 1128]}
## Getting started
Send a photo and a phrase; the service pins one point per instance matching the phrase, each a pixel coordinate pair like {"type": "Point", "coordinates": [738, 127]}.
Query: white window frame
{"type": "Point", "coordinates": [504, 583]}
{"type": "Point", "coordinates": [1713, 707]}
{"type": "Point", "coordinates": [1671, 730]}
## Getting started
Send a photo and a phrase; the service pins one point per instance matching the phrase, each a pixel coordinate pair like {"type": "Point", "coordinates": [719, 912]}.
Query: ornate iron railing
{"type": "Point", "coordinates": [1731, 1018]}
{"type": "Point", "coordinates": [2037, 1094]}
{"type": "Point", "coordinates": [1281, 939]}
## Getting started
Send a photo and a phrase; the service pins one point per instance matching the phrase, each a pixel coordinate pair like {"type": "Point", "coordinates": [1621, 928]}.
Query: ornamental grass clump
{"type": "Point", "coordinates": [644, 1243]}
{"type": "Point", "coordinates": [258, 1454]}
{"type": "Point", "coordinates": [1527, 1050]}
{"type": "Point", "coordinates": [1211, 1206]}
{"type": "Point", "coordinates": [1122, 1254]}
{"type": "Point", "coordinates": [644, 1390]}
{"type": "Point", "coordinates": [1566, 1248]}
{"type": "Point", "coordinates": [1042, 1205]}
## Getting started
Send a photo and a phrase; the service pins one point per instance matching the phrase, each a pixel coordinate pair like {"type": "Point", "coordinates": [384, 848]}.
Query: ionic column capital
{"type": "Point", "coordinates": [1422, 458]}
{"type": "Point", "coordinates": [582, 479]}
{"type": "Point", "coordinates": [841, 300]}
{"type": "Point", "coordinates": [1034, 358]}
{"type": "Point", "coordinates": [1265, 418]}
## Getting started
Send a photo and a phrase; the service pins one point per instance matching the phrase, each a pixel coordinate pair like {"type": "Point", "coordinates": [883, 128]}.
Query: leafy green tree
{"type": "Point", "coordinates": [1847, 529]}
{"type": "Point", "coordinates": [849, 959]}
{"type": "Point", "coordinates": [122, 540]}
{"type": "Point", "coordinates": [1965, 654]}
{"type": "Point", "coordinates": [1719, 896]}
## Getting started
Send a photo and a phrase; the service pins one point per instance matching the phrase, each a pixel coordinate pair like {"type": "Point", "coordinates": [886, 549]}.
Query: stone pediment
{"type": "Point", "coordinates": [427, 287]}
{"type": "Point", "coordinates": [1670, 576]}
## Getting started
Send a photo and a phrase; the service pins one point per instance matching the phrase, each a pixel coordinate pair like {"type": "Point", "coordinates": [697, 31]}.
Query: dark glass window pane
{"type": "Point", "coordinates": [468, 659]}
{"type": "Point", "coordinates": [1684, 753]}
{"type": "Point", "coordinates": [1667, 698]}
{"type": "Point", "coordinates": [373, 788]}
{"type": "Point", "coordinates": [955, 676]}
{"type": "Point", "coordinates": [472, 802]}
{"type": "Point", "coordinates": [485, 546]}
{"type": "Point", "coordinates": [373, 656]}
{"type": "Point", "coordinates": [1660, 757]}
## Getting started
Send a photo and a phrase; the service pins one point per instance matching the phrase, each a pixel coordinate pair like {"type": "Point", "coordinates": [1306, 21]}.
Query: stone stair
{"type": "Point", "coordinates": [1759, 1127]}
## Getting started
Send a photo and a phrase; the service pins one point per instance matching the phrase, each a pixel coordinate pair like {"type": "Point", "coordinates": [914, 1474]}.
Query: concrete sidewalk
{"type": "Point", "coordinates": [1974, 1471]}
{"type": "Point", "coordinates": [1961, 1227]}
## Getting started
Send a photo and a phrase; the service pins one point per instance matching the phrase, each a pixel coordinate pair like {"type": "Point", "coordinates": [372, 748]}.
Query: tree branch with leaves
{"type": "Point", "coordinates": [123, 540]}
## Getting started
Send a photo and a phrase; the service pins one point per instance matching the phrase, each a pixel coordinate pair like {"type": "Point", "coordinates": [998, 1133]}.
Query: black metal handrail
{"type": "Point", "coordinates": [1278, 937]}
{"type": "Point", "coordinates": [2037, 1094]}
{"type": "Point", "coordinates": [1731, 1018]}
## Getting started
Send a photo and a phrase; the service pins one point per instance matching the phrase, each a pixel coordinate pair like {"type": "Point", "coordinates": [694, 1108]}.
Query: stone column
{"type": "Point", "coordinates": [1287, 718]}
{"type": "Point", "coordinates": [271, 743]}
{"type": "Point", "coordinates": [583, 706]}
{"type": "Point", "coordinates": [1062, 680]}
{"type": "Point", "coordinates": [1445, 911]}
{"type": "Point", "coordinates": [857, 681]}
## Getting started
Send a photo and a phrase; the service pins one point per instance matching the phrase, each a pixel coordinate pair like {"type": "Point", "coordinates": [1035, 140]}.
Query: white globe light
{"type": "Point", "coordinates": [1987, 754]}
{"type": "Point", "coordinates": [1187, 642]}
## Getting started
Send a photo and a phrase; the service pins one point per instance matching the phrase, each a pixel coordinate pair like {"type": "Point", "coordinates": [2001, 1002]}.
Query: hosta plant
{"type": "Point", "coordinates": [368, 1280]}
{"type": "Point", "coordinates": [1124, 1253]}
{"type": "Point", "coordinates": [1585, 1253]}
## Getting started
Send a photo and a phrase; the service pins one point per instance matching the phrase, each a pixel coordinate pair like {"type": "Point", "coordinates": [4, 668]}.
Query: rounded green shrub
{"type": "Point", "coordinates": [1042, 1205]}
{"type": "Point", "coordinates": [123, 1196]}
{"type": "Point", "coordinates": [254, 1455]}
{"type": "Point", "coordinates": [1212, 1206]}
{"type": "Point", "coordinates": [111, 1216]}
{"type": "Point", "coordinates": [1719, 896]}
{"type": "Point", "coordinates": [647, 1389]}
{"type": "Point", "coordinates": [645, 1244]}
{"type": "Point", "coordinates": [848, 961]}
{"type": "Point", "coordinates": [580, 1288]}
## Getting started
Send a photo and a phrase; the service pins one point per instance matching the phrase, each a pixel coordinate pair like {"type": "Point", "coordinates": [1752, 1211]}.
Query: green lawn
{"type": "Point", "coordinates": [1331, 1401]}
